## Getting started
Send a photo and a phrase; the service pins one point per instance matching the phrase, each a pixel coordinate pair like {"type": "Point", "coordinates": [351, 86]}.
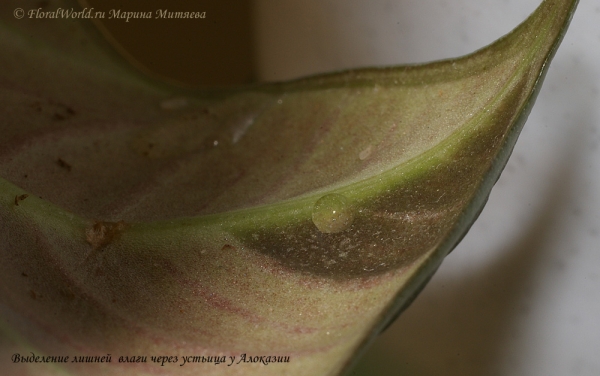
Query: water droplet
{"type": "Point", "coordinates": [174, 103]}
{"type": "Point", "coordinates": [366, 153]}
{"type": "Point", "coordinates": [332, 213]}
{"type": "Point", "coordinates": [241, 130]}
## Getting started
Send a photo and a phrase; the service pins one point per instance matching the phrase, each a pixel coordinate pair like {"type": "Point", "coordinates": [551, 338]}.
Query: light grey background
{"type": "Point", "coordinates": [521, 294]}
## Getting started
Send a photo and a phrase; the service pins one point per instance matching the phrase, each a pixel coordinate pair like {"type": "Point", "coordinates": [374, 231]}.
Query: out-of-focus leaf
{"type": "Point", "coordinates": [292, 219]}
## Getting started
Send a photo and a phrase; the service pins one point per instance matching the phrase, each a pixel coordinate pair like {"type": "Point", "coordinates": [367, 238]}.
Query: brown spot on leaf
{"type": "Point", "coordinates": [20, 198]}
{"type": "Point", "coordinates": [103, 233]}
{"type": "Point", "coordinates": [60, 111]}
{"type": "Point", "coordinates": [63, 164]}
{"type": "Point", "coordinates": [67, 293]}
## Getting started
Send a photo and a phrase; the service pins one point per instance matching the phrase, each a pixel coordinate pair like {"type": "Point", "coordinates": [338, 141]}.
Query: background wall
{"type": "Point", "coordinates": [521, 294]}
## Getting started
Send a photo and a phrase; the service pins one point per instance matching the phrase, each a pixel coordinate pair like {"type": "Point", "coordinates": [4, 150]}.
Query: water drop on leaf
{"type": "Point", "coordinates": [366, 153]}
{"type": "Point", "coordinates": [332, 213]}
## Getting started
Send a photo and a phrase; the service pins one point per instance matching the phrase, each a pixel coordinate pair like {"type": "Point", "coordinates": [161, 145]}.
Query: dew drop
{"type": "Point", "coordinates": [332, 213]}
{"type": "Point", "coordinates": [366, 153]}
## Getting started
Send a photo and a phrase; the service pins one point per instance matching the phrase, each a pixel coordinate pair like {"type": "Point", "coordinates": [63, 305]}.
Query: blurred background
{"type": "Point", "coordinates": [215, 51]}
{"type": "Point", "coordinates": [521, 294]}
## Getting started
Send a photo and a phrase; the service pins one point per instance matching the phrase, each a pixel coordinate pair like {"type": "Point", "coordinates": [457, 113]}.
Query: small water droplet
{"type": "Point", "coordinates": [332, 213]}
{"type": "Point", "coordinates": [366, 153]}
{"type": "Point", "coordinates": [174, 103]}
{"type": "Point", "coordinates": [241, 129]}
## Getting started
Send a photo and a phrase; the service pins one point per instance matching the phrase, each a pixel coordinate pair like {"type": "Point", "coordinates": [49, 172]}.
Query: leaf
{"type": "Point", "coordinates": [280, 220]}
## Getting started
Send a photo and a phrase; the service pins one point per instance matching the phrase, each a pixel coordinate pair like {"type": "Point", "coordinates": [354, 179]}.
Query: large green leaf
{"type": "Point", "coordinates": [292, 219]}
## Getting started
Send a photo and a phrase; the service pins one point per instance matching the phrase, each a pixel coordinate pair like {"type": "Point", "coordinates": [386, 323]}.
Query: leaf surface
{"type": "Point", "coordinates": [289, 219]}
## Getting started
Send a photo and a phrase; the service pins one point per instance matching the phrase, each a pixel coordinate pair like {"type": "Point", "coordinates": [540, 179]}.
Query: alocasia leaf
{"type": "Point", "coordinates": [287, 221]}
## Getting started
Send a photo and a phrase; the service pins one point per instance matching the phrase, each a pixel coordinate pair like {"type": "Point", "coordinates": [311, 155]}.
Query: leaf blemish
{"type": "Point", "coordinates": [63, 112]}
{"type": "Point", "coordinates": [20, 198]}
{"type": "Point", "coordinates": [63, 164]}
{"type": "Point", "coordinates": [103, 233]}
